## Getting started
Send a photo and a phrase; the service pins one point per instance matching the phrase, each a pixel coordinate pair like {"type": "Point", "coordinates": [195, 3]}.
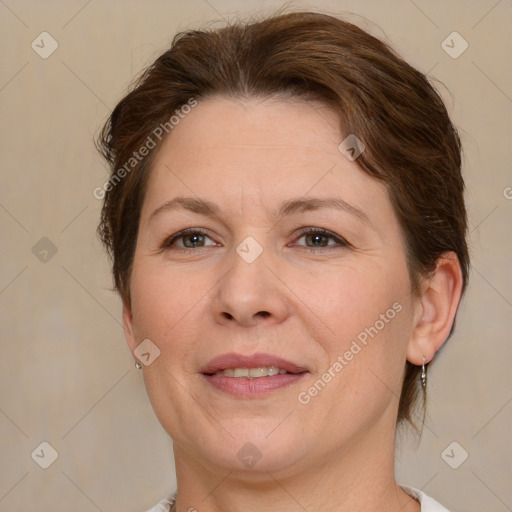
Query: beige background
{"type": "Point", "coordinates": [66, 375]}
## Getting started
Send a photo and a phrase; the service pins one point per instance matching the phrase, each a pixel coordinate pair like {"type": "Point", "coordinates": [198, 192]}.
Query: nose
{"type": "Point", "coordinates": [250, 294]}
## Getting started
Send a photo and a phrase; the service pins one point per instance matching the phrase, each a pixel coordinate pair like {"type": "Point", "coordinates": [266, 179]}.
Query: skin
{"type": "Point", "coordinates": [305, 299]}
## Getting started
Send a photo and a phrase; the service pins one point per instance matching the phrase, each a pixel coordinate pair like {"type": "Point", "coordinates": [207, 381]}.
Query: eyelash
{"type": "Point", "coordinates": [305, 231]}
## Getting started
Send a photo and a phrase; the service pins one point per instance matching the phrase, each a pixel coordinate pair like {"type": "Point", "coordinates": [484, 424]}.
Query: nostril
{"type": "Point", "coordinates": [264, 314]}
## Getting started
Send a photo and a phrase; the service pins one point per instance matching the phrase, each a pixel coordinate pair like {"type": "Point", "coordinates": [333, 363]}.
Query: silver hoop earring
{"type": "Point", "coordinates": [423, 373]}
{"type": "Point", "coordinates": [138, 365]}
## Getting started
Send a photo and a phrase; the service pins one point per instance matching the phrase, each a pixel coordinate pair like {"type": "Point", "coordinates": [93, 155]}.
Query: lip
{"type": "Point", "coordinates": [251, 388]}
{"type": "Point", "coordinates": [233, 360]}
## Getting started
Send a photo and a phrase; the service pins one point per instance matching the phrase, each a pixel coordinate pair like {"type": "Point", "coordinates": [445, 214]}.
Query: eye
{"type": "Point", "coordinates": [192, 238]}
{"type": "Point", "coordinates": [187, 239]}
{"type": "Point", "coordinates": [319, 238]}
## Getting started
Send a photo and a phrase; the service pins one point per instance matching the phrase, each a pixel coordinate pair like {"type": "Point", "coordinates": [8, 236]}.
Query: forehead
{"type": "Point", "coordinates": [258, 149]}
{"type": "Point", "coordinates": [283, 128]}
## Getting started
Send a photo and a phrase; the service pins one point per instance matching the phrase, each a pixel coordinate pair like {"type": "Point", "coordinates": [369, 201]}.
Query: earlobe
{"type": "Point", "coordinates": [437, 307]}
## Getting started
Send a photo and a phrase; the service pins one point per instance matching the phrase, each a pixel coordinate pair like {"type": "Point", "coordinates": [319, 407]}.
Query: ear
{"type": "Point", "coordinates": [131, 339]}
{"type": "Point", "coordinates": [435, 309]}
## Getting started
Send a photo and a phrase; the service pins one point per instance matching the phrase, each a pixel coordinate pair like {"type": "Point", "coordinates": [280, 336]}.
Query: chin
{"type": "Point", "coordinates": [252, 449]}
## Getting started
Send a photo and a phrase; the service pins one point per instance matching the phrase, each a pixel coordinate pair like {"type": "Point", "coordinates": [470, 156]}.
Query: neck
{"type": "Point", "coordinates": [349, 479]}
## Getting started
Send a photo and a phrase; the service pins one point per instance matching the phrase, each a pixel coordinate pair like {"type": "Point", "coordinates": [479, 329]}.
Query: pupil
{"type": "Point", "coordinates": [194, 239]}
{"type": "Point", "coordinates": [317, 238]}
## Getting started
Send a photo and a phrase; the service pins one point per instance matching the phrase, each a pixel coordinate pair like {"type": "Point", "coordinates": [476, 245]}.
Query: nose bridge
{"type": "Point", "coordinates": [250, 291]}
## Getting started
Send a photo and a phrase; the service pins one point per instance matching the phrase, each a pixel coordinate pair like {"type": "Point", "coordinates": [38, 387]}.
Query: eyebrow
{"type": "Point", "coordinates": [209, 209]}
{"type": "Point", "coordinates": [191, 204]}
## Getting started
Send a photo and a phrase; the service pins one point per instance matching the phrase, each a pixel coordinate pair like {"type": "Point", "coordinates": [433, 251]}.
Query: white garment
{"type": "Point", "coordinates": [165, 504]}
{"type": "Point", "coordinates": [428, 504]}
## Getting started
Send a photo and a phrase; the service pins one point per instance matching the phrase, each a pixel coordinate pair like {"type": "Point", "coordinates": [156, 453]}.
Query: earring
{"type": "Point", "coordinates": [423, 373]}
{"type": "Point", "coordinates": [138, 365]}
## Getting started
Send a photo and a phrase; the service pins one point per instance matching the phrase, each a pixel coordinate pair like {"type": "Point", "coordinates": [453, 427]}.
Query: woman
{"type": "Point", "coordinates": [286, 220]}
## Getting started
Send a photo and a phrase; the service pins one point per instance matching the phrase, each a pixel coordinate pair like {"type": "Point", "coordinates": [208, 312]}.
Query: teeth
{"type": "Point", "coordinates": [241, 372]}
{"type": "Point", "coordinates": [252, 373]}
{"type": "Point", "coordinates": [258, 372]}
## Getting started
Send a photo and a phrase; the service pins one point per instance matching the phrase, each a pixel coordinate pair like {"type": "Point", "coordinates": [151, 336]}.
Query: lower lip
{"type": "Point", "coordinates": [243, 387]}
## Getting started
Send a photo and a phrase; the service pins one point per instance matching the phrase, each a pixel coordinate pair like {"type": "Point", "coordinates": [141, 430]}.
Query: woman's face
{"type": "Point", "coordinates": [255, 275]}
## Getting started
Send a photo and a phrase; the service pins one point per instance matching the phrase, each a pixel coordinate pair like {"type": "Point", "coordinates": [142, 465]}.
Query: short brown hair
{"type": "Point", "coordinates": [410, 143]}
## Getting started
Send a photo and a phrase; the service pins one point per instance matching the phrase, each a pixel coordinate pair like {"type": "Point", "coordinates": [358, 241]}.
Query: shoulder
{"type": "Point", "coordinates": [164, 505]}
{"type": "Point", "coordinates": [428, 504]}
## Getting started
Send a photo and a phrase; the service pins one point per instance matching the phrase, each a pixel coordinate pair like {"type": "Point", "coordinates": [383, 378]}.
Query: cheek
{"type": "Point", "coordinates": [166, 306]}
{"type": "Point", "coordinates": [360, 378]}
{"type": "Point", "coordinates": [349, 298]}
{"type": "Point", "coordinates": [164, 297]}
{"type": "Point", "coordinates": [361, 320]}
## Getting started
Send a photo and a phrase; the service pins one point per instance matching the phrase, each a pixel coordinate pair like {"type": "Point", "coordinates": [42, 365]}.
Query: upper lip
{"type": "Point", "coordinates": [234, 360]}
